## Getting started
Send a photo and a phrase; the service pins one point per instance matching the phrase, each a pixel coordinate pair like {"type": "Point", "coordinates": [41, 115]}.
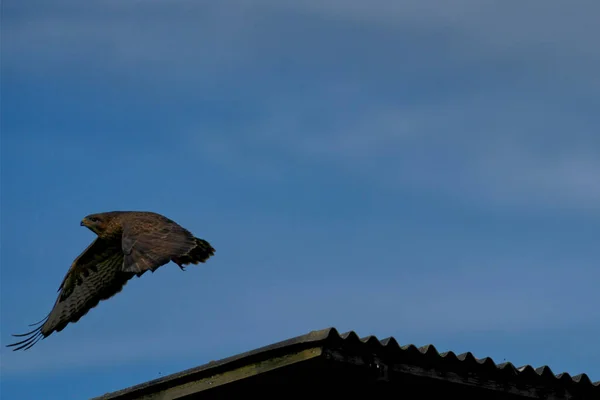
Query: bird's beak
{"type": "Point", "coordinates": [82, 222]}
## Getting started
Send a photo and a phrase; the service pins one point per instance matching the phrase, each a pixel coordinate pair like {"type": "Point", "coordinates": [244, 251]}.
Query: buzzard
{"type": "Point", "coordinates": [129, 243]}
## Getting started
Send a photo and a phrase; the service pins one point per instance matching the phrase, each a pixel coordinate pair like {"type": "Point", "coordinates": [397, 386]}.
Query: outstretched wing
{"type": "Point", "coordinates": [94, 276]}
{"type": "Point", "coordinates": [152, 241]}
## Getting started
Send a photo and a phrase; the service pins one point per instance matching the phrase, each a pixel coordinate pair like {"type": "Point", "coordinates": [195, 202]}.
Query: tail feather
{"type": "Point", "coordinates": [199, 254]}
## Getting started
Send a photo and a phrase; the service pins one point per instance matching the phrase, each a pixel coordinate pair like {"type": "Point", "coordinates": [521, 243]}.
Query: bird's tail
{"type": "Point", "coordinates": [199, 254]}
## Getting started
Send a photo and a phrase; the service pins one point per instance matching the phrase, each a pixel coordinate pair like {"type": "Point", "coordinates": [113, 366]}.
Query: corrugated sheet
{"type": "Point", "coordinates": [426, 357]}
{"type": "Point", "coordinates": [465, 362]}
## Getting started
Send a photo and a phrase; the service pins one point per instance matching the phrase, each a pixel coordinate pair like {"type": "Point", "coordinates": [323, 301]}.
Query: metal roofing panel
{"type": "Point", "coordinates": [424, 356]}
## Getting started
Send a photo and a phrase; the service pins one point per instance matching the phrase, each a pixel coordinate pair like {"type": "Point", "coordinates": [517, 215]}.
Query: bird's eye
{"type": "Point", "coordinates": [94, 219]}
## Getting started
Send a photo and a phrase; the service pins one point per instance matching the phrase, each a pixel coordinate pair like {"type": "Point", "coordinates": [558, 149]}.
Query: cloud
{"type": "Point", "coordinates": [497, 26]}
{"type": "Point", "coordinates": [182, 38]}
{"type": "Point", "coordinates": [496, 150]}
{"type": "Point", "coordinates": [481, 100]}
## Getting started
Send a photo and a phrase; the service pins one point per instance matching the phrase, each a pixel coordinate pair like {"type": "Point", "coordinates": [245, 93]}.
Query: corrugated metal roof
{"type": "Point", "coordinates": [471, 363]}
{"type": "Point", "coordinates": [425, 357]}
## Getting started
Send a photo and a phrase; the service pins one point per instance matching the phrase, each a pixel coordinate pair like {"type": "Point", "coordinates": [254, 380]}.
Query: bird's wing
{"type": "Point", "coordinates": [94, 276]}
{"type": "Point", "coordinates": [151, 242]}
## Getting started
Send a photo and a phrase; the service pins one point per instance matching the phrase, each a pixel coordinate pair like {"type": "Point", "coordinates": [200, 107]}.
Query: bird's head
{"type": "Point", "coordinates": [96, 223]}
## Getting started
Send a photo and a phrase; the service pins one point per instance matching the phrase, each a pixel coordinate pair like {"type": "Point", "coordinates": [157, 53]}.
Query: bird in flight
{"type": "Point", "coordinates": [129, 243]}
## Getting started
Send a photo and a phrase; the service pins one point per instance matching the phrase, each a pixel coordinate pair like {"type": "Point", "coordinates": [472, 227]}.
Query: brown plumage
{"type": "Point", "coordinates": [129, 243]}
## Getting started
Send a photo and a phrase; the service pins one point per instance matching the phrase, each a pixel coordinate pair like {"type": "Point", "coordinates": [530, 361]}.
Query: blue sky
{"type": "Point", "coordinates": [422, 170]}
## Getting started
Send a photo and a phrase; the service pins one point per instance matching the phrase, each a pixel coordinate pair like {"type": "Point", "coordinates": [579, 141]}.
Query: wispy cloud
{"type": "Point", "coordinates": [185, 37]}
{"type": "Point", "coordinates": [496, 150]}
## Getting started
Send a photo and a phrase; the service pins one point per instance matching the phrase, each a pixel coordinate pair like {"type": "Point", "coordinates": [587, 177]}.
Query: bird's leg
{"type": "Point", "coordinates": [179, 263]}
